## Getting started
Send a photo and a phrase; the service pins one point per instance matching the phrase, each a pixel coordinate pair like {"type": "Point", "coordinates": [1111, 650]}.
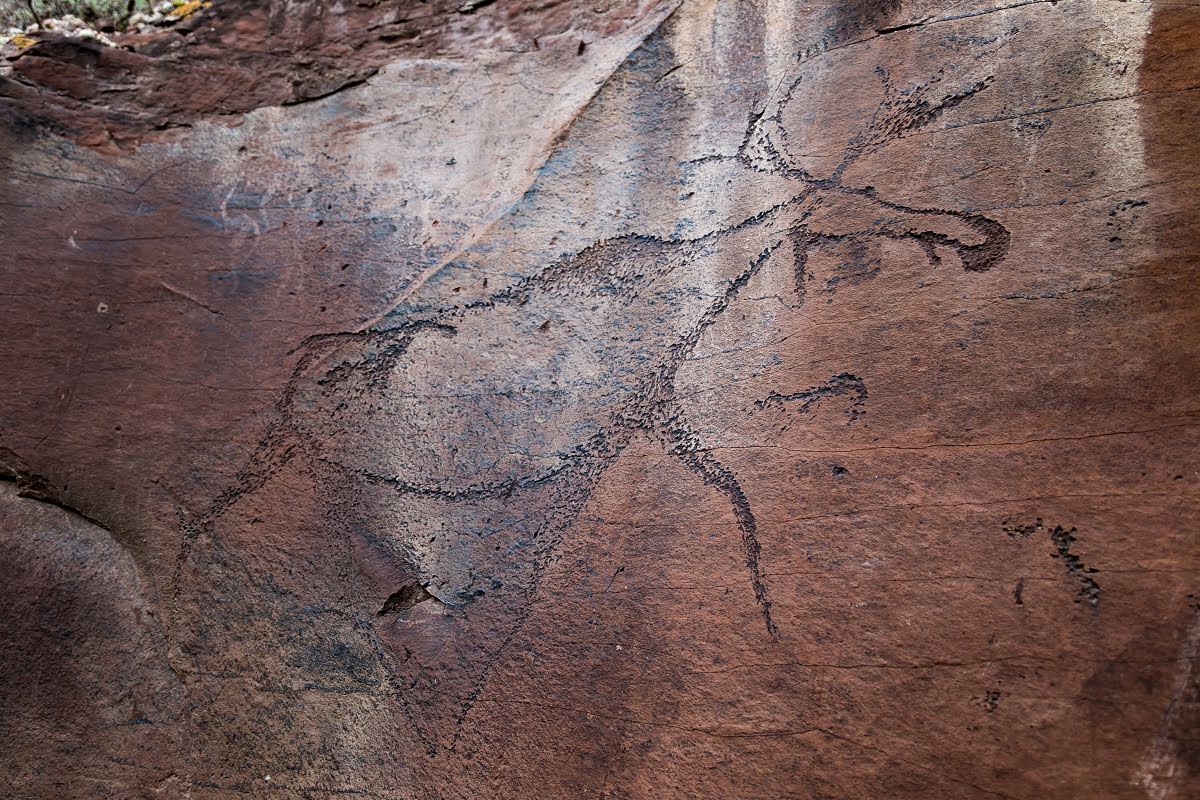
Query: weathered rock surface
{"type": "Point", "coordinates": [715, 399]}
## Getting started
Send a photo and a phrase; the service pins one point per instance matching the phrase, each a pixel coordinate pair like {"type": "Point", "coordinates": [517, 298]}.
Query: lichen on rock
{"type": "Point", "coordinates": [93, 21]}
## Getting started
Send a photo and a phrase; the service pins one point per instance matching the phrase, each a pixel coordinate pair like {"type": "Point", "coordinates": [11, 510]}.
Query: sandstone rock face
{"type": "Point", "coordinates": [634, 400]}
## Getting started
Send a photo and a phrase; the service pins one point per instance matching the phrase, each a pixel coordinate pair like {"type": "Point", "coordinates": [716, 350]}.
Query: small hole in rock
{"type": "Point", "coordinates": [404, 599]}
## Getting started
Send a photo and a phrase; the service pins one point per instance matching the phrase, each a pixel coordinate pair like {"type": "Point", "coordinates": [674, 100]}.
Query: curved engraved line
{"type": "Point", "coordinates": [276, 449]}
{"type": "Point", "coordinates": [501, 488]}
{"type": "Point", "coordinates": [657, 412]}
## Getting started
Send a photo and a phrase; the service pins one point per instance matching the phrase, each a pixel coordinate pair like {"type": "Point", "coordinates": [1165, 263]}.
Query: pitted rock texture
{"type": "Point", "coordinates": [631, 400]}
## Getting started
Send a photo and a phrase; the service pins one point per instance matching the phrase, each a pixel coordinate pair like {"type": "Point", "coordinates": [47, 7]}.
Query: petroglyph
{"type": "Point", "coordinates": [487, 425]}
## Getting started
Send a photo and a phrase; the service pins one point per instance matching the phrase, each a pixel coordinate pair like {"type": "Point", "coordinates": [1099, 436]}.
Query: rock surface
{"type": "Point", "coordinates": [637, 399]}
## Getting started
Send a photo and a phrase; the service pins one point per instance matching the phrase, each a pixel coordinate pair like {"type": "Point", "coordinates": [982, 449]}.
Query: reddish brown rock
{"type": "Point", "coordinates": [639, 400]}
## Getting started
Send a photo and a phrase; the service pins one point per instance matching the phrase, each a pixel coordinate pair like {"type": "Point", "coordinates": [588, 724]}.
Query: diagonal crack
{"type": "Point", "coordinates": [489, 224]}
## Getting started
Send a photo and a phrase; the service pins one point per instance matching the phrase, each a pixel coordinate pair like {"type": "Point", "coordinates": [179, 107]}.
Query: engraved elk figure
{"type": "Point", "coordinates": [488, 425]}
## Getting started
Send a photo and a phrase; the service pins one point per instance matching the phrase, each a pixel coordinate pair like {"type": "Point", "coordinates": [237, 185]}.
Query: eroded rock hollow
{"type": "Point", "coordinates": [636, 399]}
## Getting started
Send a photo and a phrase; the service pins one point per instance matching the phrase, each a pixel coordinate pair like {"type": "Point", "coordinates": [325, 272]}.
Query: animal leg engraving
{"type": "Point", "coordinates": [842, 384]}
{"type": "Point", "coordinates": [716, 474]}
{"type": "Point", "coordinates": [667, 420]}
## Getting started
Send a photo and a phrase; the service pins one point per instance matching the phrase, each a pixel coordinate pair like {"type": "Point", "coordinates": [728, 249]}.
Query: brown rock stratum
{"type": "Point", "coordinates": [633, 399]}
